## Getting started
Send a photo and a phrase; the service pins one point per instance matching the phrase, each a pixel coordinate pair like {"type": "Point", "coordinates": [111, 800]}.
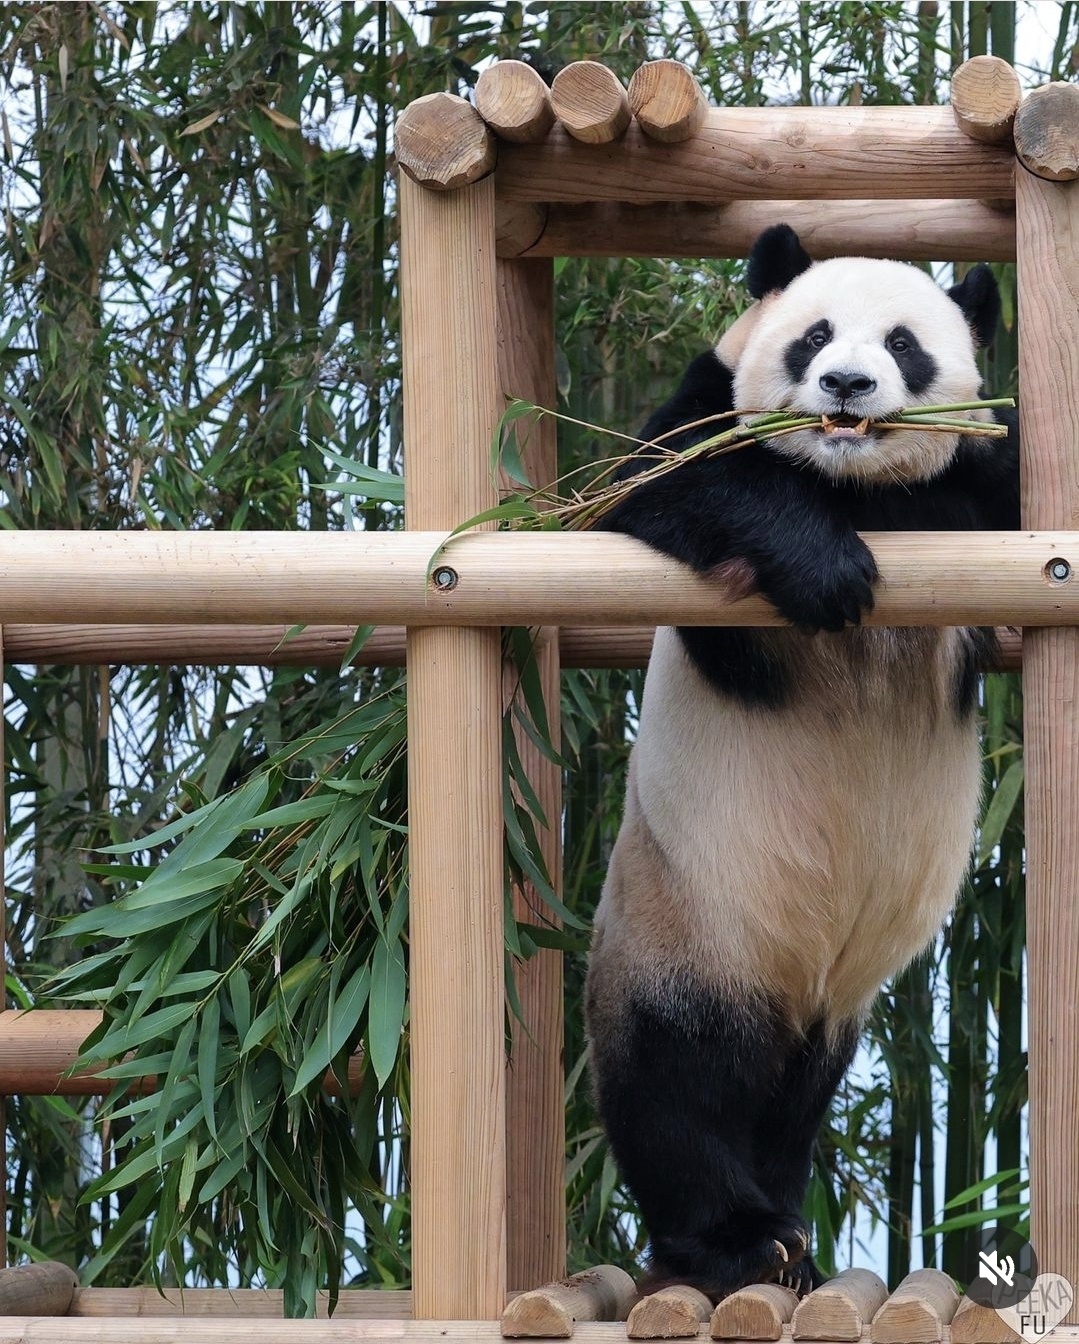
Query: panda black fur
{"type": "Point", "coordinates": [801, 801]}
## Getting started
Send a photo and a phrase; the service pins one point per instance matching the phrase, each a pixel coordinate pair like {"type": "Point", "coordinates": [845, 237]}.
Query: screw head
{"type": "Point", "coordinates": [1059, 570]}
{"type": "Point", "coordinates": [445, 578]}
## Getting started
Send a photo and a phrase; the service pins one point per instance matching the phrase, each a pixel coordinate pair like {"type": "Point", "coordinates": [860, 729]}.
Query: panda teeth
{"type": "Point", "coordinates": [846, 427]}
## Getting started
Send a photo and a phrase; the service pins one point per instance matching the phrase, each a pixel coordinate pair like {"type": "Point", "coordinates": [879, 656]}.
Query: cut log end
{"type": "Point", "coordinates": [985, 97]}
{"type": "Point", "coordinates": [918, 1310]}
{"type": "Point", "coordinates": [590, 103]}
{"type": "Point", "coordinates": [672, 1313]}
{"type": "Point", "coordinates": [442, 142]}
{"type": "Point", "coordinates": [1047, 132]}
{"type": "Point", "coordinates": [841, 1309]}
{"type": "Point", "coordinates": [43, 1289]}
{"type": "Point", "coordinates": [667, 101]}
{"type": "Point", "coordinates": [514, 101]}
{"type": "Point", "coordinates": [758, 1312]}
{"type": "Point", "coordinates": [605, 1293]}
{"type": "Point", "coordinates": [518, 227]}
{"type": "Point", "coordinates": [975, 1324]}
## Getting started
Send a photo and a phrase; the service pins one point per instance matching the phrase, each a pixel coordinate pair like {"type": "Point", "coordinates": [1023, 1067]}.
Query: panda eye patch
{"type": "Point", "coordinates": [800, 353]}
{"type": "Point", "coordinates": [917, 366]}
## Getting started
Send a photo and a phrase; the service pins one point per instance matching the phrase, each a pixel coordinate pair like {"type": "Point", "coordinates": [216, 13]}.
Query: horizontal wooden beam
{"type": "Point", "coordinates": [900, 230]}
{"type": "Point", "coordinates": [316, 646]}
{"type": "Point", "coordinates": [493, 578]}
{"type": "Point", "coordinates": [352, 1304]}
{"type": "Point", "coordinates": [188, 1330]}
{"type": "Point", "coordinates": [38, 1051]}
{"type": "Point", "coordinates": [768, 153]}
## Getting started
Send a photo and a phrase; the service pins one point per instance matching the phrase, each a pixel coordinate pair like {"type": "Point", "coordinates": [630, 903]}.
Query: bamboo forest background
{"type": "Point", "coordinates": [199, 329]}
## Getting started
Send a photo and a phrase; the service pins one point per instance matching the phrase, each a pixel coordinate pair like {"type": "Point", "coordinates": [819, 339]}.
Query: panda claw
{"type": "Point", "coordinates": [781, 1250]}
{"type": "Point", "coordinates": [803, 1237]}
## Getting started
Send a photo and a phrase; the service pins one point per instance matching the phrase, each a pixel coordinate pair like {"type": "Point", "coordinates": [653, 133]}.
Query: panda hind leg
{"type": "Point", "coordinates": [787, 1130]}
{"type": "Point", "coordinates": [682, 1086]}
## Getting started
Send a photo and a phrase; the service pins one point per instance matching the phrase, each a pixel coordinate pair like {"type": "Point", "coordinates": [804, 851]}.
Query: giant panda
{"type": "Point", "coordinates": [801, 800]}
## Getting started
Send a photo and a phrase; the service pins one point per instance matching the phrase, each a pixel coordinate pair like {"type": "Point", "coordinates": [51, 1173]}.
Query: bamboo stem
{"type": "Point", "coordinates": [458, 1141]}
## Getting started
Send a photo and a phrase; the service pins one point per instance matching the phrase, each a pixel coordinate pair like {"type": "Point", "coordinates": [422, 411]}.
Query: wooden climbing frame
{"type": "Point", "coordinates": [490, 192]}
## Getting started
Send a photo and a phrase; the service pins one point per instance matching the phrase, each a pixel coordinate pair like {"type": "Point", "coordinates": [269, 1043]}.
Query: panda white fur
{"type": "Point", "coordinates": [801, 801]}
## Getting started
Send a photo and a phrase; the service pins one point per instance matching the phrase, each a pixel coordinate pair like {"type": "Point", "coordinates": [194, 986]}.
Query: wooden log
{"type": "Point", "coordinates": [672, 1313]}
{"type": "Point", "coordinates": [899, 230]}
{"type": "Point", "coordinates": [323, 646]}
{"type": "Point", "coordinates": [667, 101]}
{"type": "Point", "coordinates": [442, 142]}
{"type": "Point", "coordinates": [514, 101]}
{"type": "Point", "coordinates": [768, 153]}
{"type": "Point", "coordinates": [1047, 132]}
{"type": "Point", "coordinates": [1047, 246]}
{"type": "Point", "coordinates": [243, 1303]}
{"type": "Point", "coordinates": [451, 407]}
{"type": "Point", "coordinates": [131, 1330]}
{"type": "Point", "coordinates": [605, 1293]}
{"type": "Point", "coordinates": [590, 103]}
{"type": "Point", "coordinates": [39, 1050]}
{"type": "Point", "coordinates": [985, 97]}
{"type": "Point", "coordinates": [535, 1084]}
{"type": "Point", "coordinates": [491, 579]}
{"type": "Point", "coordinates": [758, 1312]}
{"type": "Point", "coordinates": [518, 228]}
{"type": "Point", "coordinates": [975, 1324]}
{"type": "Point", "coordinates": [918, 1311]}
{"type": "Point", "coordinates": [841, 1308]}
{"type": "Point", "coordinates": [201, 645]}
{"type": "Point", "coordinates": [43, 1289]}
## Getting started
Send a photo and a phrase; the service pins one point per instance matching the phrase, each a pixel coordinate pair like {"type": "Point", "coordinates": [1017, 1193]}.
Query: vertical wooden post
{"type": "Point", "coordinates": [451, 405]}
{"type": "Point", "coordinates": [1047, 246]}
{"type": "Point", "coordinates": [535, 1091]}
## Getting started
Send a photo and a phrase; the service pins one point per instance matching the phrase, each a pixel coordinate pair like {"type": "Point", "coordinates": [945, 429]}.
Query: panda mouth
{"type": "Point", "coordinates": [844, 426]}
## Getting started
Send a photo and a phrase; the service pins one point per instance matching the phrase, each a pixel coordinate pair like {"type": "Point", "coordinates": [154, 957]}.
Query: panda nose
{"type": "Point", "coordinates": [846, 385]}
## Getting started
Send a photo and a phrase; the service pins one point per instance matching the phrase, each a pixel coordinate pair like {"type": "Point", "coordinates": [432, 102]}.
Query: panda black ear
{"type": "Point", "coordinates": [978, 297]}
{"type": "Point", "coordinates": [777, 257]}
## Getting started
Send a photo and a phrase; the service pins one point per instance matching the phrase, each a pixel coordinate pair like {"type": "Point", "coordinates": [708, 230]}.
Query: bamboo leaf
{"type": "Point", "coordinates": [387, 1008]}
{"type": "Point", "coordinates": [342, 1016]}
{"type": "Point", "coordinates": [997, 815]}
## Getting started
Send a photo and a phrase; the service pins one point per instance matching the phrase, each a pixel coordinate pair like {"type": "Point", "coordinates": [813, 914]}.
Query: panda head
{"type": "Point", "coordinates": [856, 339]}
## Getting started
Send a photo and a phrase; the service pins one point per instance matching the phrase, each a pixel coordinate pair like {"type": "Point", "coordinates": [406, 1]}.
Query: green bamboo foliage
{"type": "Point", "coordinates": [199, 330]}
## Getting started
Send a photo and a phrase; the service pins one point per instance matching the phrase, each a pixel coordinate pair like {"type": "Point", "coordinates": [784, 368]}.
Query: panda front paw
{"type": "Point", "coordinates": [826, 592]}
